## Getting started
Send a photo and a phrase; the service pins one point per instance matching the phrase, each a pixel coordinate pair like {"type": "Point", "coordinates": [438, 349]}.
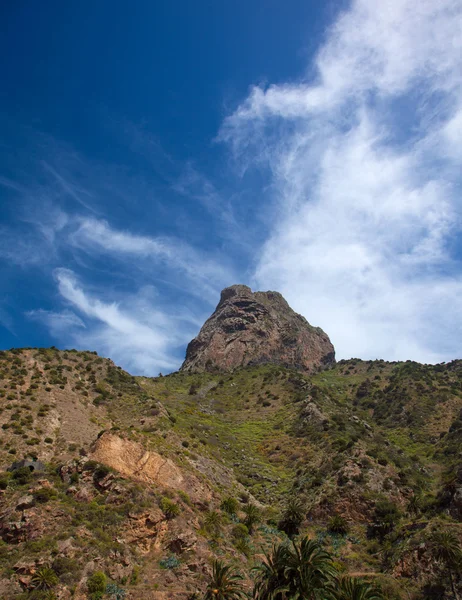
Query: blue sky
{"type": "Point", "coordinates": [153, 153]}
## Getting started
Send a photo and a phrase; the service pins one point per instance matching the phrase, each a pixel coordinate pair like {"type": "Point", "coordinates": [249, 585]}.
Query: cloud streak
{"type": "Point", "coordinates": [366, 168]}
{"type": "Point", "coordinates": [206, 276]}
{"type": "Point", "coordinates": [132, 332]}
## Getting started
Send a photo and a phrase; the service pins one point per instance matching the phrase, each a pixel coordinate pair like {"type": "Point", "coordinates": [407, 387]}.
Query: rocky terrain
{"type": "Point", "coordinates": [114, 486]}
{"type": "Point", "coordinates": [252, 328]}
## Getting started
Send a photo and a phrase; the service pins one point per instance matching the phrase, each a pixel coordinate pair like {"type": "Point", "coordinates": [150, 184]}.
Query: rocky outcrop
{"type": "Point", "coordinates": [251, 328]}
{"type": "Point", "coordinates": [132, 460]}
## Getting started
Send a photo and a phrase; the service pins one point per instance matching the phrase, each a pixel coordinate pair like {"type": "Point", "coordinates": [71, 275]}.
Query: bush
{"type": "Point", "coordinates": [338, 524]}
{"type": "Point", "coordinates": [97, 583]}
{"type": "Point", "coordinates": [386, 516]}
{"type": "Point", "coordinates": [230, 505]}
{"type": "Point", "coordinates": [62, 565]}
{"type": "Point", "coordinates": [169, 508]}
{"type": "Point", "coordinates": [4, 479]}
{"type": "Point", "coordinates": [169, 563]}
{"type": "Point", "coordinates": [22, 475]}
{"type": "Point", "coordinates": [43, 495]}
{"type": "Point", "coordinates": [240, 532]}
{"type": "Point", "coordinates": [101, 472]}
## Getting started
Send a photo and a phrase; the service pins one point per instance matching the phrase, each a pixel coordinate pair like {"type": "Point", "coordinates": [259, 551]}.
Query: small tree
{"type": "Point", "coordinates": [386, 516]}
{"type": "Point", "coordinates": [292, 517]}
{"type": "Point", "coordinates": [213, 523]}
{"type": "Point", "coordinates": [252, 517]}
{"type": "Point", "coordinates": [448, 551]}
{"type": "Point", "coordinates": [169, 508]}
{"type": "Point", "coordinates": [224, 584]}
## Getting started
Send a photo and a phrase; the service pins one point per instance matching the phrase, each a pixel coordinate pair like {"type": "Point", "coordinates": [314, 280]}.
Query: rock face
{"type": "Point", "coordinates": [252, 328]}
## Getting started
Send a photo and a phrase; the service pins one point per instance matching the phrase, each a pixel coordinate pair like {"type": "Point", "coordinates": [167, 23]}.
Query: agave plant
{"type": "Point", "coordinates": [349, 588]}
{"type": "Point", "coordinates": [225, 583]}
{"type": "Point", "coordinates": [44, 579]}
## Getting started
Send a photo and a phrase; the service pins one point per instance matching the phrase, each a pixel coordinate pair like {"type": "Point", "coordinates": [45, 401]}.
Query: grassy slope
{"type": "Point", "coordinates": [383, 435]}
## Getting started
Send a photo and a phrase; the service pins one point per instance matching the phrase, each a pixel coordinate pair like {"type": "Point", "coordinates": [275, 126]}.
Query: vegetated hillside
{"type": "Point", "coordinates": [140, 482]}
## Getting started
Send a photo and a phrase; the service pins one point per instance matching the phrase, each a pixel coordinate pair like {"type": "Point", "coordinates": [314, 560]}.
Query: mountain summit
{"type": "Point", "coordinates": [252, 328]}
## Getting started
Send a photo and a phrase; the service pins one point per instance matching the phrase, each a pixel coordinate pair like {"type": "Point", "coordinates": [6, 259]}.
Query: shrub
{"type": "Point", "coordinates": [240, 532]}
{"type": "Point", "coordinates": [386, 516]}
{"type": "Point", "coordinates": [43, 495]}
{"type": "Point", "coordinates": [230, 505]}
{"type": "Point", "coordinates": [22, 475]}
{"type": "Point", "coordinates": [44, 579]}
{"type": "Point", "coordinates": [97, 583]}
{"type": "Point", "coordinates": [169, 508]}
{"type": "Point", "coordinates": [4, 479]}
{"type": "Point", "coordinates": [213, 523]}
{"type": "Point", "coordinates": [337, 524]}
{"type": "Point", "coordinates": [74, 478]}
{"type": "Point", "coordinates": [169, 563]}
{"type": "Point", "coordinates": [101, 472]}
{"type": "Point", "coordinates": [62, 565]}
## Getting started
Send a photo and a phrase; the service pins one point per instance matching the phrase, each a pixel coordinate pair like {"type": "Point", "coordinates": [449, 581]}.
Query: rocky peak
{"type": "Point", "coordinates": [250, 328]}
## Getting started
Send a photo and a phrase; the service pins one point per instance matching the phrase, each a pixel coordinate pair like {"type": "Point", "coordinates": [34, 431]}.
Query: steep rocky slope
{"type": "Point", "coordinates": [252, 328]}
{"type": "Point", "coordinates": [134, 476]}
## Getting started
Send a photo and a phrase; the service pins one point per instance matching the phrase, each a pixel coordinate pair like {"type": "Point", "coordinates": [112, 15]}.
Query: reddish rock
{"type": "Point", "coordinates": [253, 328]}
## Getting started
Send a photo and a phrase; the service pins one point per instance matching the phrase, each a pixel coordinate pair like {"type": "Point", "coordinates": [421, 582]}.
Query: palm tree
{"type": "Point", "coordinates": [44, 579]}
{"type": "Point", "coordinates": [225, 583]}
{"type": "Point", "coordinates": [252, 516]}
{"type": "Point", "coordinates": [213, 523]}
{"type": "Point", "coordinates": [309, 570]}
{"type": "Point", "coordinates": [301, 571]}
{"type": "Point", "coordinates": [349, 588]}
{"type": "Point", "coordinates": [292, 516]}
{"type": "Point", "coordinates": [338, 524]}
{"type": "Point", "coordinates": [270, 583]}
{"type": "Point", "coordinates": [447, 550]}
{"type": "Point", "coordinates": [414, 505]}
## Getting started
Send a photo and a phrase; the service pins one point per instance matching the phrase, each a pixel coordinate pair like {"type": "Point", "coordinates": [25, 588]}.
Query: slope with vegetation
{"type": "Point", "coordinates": [215, 484]}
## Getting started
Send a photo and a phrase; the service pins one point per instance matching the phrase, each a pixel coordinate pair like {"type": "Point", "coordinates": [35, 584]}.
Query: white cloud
{"type": "Point", "coordinates": [366, 163]}
{"type": "Point", "coordinates": [134, 332]}
{"type": "Point", "coordinates": [205, 276]}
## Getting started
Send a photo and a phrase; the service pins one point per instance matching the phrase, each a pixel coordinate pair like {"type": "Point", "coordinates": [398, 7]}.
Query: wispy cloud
{"type": "Point", "coordinates": [136, 297]}
{"type": "Point", "coordinates": [366, 166]}
{"type": "Point", "coordinates": [206, 276]}
{"type": "Point", "coordinates": [132, 332]}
